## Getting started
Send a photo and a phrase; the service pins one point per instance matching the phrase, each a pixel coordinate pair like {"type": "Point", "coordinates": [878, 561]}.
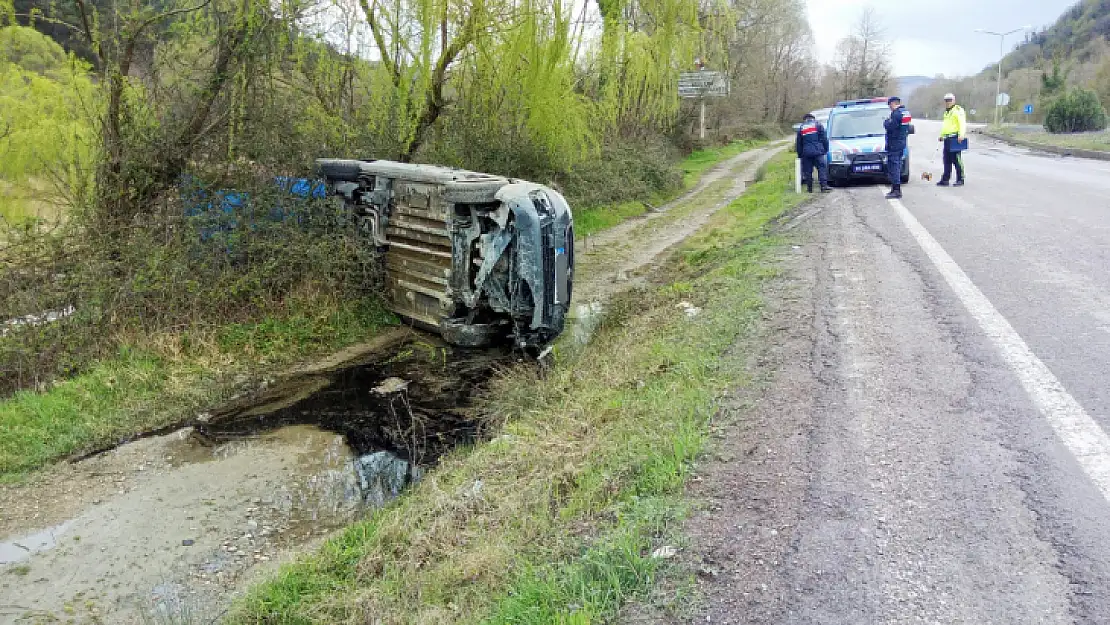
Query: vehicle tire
{"type": "Point", "coordinates": [906, 172]}
{"type": "Point", "coordinates": [483, 192]}
{"type": "Point", "coordinates": [463, 334]}
{"type": "Point", "coordinates": [338, 169]}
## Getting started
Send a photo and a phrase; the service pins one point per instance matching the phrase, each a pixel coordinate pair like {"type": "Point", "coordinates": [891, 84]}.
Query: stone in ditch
{"type": "Point", "coordinates": [390, 386]}
{"type": "Point", "coordinates": [382, 476]}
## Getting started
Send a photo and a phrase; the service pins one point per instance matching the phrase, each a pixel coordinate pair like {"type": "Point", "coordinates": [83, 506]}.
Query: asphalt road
{"type": "Point", "coordinates": [933, 449]}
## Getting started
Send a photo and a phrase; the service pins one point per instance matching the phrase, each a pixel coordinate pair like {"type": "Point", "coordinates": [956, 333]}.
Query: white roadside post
{"type": "Point", "coordinates": [701, 85]}
{"type": "Point", "coordinates": [797, 175]}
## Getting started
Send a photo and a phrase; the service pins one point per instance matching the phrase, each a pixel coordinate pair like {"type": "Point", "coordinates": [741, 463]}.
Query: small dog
{"type": "Point", "coordinates": [926, 176]}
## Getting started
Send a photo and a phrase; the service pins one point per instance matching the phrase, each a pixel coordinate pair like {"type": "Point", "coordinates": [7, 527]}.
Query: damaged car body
{"type": "Point", "coordinates": [475, 257]}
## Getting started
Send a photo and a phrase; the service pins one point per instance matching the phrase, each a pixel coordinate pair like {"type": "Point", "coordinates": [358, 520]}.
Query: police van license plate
{"type": "Point", "coordinates": [868, 168]}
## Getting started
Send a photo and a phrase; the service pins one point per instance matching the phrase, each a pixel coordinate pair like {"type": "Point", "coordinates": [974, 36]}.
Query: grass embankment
{"type": "Point", "coordinates": [595, 219]}
{"type": "Point", "coordinates": [169, 379]}
{"type": "Point", "coordinates": [156, 381]}
{"type": "Point", "coordinates": [1097, 141]}
{"type": "Point", "coordinates": [556, 519]}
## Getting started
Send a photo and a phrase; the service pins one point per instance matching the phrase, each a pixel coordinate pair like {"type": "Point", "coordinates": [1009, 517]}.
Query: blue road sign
{"type": "Point", "coordinates": [1028, 109]}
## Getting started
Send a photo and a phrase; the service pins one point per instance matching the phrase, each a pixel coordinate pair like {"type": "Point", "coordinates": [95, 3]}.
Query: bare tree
{"type": "Point", "coordinates": [137, 167]}
{"type": "Point", "coordinates": [768, 55]}
{"type": "Point", "coordinates": [862, 65]}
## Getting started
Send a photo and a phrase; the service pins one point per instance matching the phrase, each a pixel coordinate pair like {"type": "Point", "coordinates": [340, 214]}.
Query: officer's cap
{"type": "Point", "coordinates": [949, 96]}
{"type": "Point", "coordinates": [893, 99]}
{"type": "Point", "coordinates": [808, 116]}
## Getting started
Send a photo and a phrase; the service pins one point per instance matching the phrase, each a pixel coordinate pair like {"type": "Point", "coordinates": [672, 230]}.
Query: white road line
{"type": "Point", "coordinates": [1080, 433]}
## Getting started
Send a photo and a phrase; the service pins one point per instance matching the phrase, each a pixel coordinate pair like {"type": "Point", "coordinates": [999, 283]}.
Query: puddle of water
{"type": "Point", "coordinates": [395, 419]}
{"type": "Point", "coordinates": [188, 513]}
{"type": "Point", "coordinates": [19, 549]}
{"type": "Point", "coordinates": [424, 416]}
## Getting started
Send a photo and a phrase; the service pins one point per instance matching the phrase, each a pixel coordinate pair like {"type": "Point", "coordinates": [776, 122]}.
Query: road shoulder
{"type": "Point", "coordinates": [1097, 155]}
{"type": "Point", "coordinates": [748, 492]}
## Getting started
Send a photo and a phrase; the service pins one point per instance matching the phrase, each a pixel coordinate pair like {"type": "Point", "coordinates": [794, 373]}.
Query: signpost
{"type": "Point", "coordinates": [702, 85]}
{"type": "Point", "coordinates": [1003, 99]}
{"type": "Point", "coordinates": [1028, 109]}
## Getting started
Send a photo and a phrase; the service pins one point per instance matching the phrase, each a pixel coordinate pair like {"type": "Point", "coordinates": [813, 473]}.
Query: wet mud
{"type": "Point", "coordinates": [178, 523]}
{"type": "Point", "coordinates": [416, 404]}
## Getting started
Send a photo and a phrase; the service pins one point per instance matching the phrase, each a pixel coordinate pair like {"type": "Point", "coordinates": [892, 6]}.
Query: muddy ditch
{"type": "Point", "coordinates": [181, 520]}
{"type": "Point", "coordinates": [413, 402]}
{"type": "Point", "coordinates": [173, 525]}
{"type": "Point", "coordinates": [416, 404]}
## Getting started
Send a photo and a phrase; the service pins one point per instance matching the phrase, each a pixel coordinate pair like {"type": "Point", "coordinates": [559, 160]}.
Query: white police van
{"type": "Point", "coordinates": [857, 142]}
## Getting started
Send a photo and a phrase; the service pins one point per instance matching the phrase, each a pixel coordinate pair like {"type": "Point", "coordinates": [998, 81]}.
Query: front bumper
{"type": "Point", "coordinates": [843, 171]}
{"type": "Point", "coordinates": [544, 260]}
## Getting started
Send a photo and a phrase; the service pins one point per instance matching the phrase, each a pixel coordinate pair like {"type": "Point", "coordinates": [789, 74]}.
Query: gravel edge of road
{"type": "Point", "coordinates": [1097, 155]}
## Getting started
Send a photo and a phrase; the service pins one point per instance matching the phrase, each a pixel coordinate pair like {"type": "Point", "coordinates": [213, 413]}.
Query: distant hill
{"type": "Point", "coordinates": [908, 84]}
{"type": "Point", "coordinates": [1074, 51]}
{"type": "Point", "coordinates": [1078, 35]}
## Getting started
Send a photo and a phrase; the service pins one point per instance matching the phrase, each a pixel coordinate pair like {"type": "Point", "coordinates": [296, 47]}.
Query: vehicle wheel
{"type": "Point", "coordinates": [458, 332]}
{"type": "Point", "coordinates": [483, 192]}
{"type": "Point", "coordinates": [906, 172]}
{"type": "Point", "coordinates": [338, 169]}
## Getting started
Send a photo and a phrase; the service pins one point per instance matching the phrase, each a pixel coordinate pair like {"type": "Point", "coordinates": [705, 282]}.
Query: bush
{"type": "Point", "coordinates": [179, 270]}
{"type": "Point", "coordinates": [1079, 110]}
{"type": "Point", "coordinates": [638, 170]}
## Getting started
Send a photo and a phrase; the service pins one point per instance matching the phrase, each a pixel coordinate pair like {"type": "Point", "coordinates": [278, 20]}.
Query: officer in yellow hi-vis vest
{"type": "Point", "coordinates": [953, 133]}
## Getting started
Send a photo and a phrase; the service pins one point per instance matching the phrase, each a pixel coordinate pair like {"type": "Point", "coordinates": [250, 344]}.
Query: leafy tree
{"type": "Point", "coordinates": [1079, 110]}
{"type": "Point", "coordinates": [31, 50]}
{"type": "Point", "coordinates": [44, 129]}
{"type": "Point", "coordinates": [1102, 82]}
{"type": "Point", "coordinates": [1053, 84]}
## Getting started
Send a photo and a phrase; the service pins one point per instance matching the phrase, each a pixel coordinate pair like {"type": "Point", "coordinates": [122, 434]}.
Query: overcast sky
{"type": "Point", "coordinates": [927, 40]}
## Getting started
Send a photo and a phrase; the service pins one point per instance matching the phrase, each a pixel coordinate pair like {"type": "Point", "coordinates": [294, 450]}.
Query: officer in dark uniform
{"type": "Point", "coordinates": [897, 131]}
{"type": "Point", "coordinates": [812, 144]}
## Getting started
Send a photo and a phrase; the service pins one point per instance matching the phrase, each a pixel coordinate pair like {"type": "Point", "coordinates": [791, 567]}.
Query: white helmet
{"type": "Point", "coordinates": [949, 96]}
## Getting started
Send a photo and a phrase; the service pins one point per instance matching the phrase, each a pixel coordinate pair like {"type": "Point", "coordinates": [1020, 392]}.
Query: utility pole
{"type": "Point", "coordinates": [1001, 55]}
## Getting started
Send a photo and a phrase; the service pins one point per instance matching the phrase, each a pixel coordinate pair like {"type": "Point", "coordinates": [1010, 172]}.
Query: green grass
{"type": "Point", "coordinates": [1099, 141]}
{"type": "Point", "coordinates": [592, 220]}
{"type": "Point", "coordinates": [699, 161]}
{"type": "Point", "coordinates": [142, 388]}
{"type": "Point", "coordinates": [137, 390]}
{"type": "Point", "coordinates": [595, 219]}
{"type": "Point", "coordinates": [555, 519]}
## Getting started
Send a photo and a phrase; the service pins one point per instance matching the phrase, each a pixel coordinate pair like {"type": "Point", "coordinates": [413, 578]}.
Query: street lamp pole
{"type": "Point", "coordinates": [1001, 55]}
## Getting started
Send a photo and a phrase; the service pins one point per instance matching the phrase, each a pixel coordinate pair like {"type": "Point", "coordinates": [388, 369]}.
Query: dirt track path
{"type": "Point", "coordinates": [612, 260]}
{"type": "Point", "coordinates": [174, 527]}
